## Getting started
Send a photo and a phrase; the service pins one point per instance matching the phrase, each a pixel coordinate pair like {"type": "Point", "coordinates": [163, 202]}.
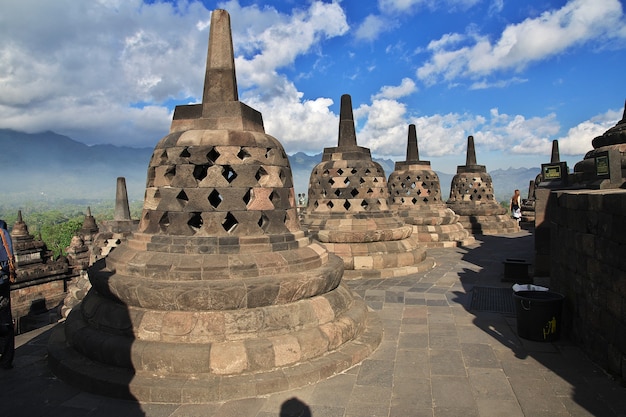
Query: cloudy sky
{"type": "Point", "coordinates": [514, 74]}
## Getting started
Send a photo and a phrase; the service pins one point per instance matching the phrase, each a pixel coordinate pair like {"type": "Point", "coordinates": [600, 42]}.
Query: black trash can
{"type": "Point", "coordinates": [538, 315]}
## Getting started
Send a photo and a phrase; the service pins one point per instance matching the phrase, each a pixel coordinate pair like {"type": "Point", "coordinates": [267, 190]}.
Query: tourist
{"type": "Point", "coordinates": [515, 206]}
{"type": "Point", "coordinates": [7, 275]}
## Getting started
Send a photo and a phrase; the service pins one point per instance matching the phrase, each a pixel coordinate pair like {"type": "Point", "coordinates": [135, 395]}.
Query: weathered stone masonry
{"type": "Point", "coordinates": [588, 252]}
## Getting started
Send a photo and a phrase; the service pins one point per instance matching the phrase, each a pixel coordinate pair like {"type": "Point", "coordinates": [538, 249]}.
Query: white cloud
{"type": "Point", "coordinates": [484, 84]}
{"type": "Point", "coordinates": [406, 87]}
{"type": "Point", "coordinates": [403, 6]}
{"type": "Point", "coordinates": [578, 138]}
{"type": "Point", "coordinates": [534, 39]}
{"type": "Point", "coordinates": [371, 27]}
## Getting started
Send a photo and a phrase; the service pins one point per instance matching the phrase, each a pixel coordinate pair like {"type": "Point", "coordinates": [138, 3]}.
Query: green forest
{"type": "Point", "coordinates": [56, 223]}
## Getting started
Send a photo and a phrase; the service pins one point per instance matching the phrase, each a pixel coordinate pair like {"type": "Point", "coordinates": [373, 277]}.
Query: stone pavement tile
{"type": "Point", "coordinates": [368, 394]}
{"type": "Point", "coordinates": [276, 400]}
{"type": "Point", "coordinates": [488, 383]}
{"type": "Point", "coordinates": [452, 391]}
{"type": "Point", "coordinates": [412, 363]}
{"type": "Point", "coordinates": [587, 406]}
{"type": "Point", "coordinates": [518, 363]}
{"type": "Point", "coordinates": [238, 408]}
{"type": "Point", "coordinates": [326, 411]}
{"type": "Point", "coordinates": [195, 410]}
{"type": "Point", "coordinates": [355, 409]}
{"type": "Point", "coordinates": [470, 334]}
{"type": "Point", "coordinates": [447, 362]}
{"type": "Point", "coordinates": [334, 391]}
{"type": "Point", "coordinates": [376, 373]}
{"type": "Point", "coordinates": [479, 355]}
{"type": "Point", "coordinates": [412, 393]}
{"type": "Point", "coordinates": [455, 412]}
{"type": "Point", "coordinates": [413, 340]}
{"type": "Point", "coordinates": [166, 410]}
{"type": "Point", "coordinates": [386, 351]}
{"type": "Point", "coordinates": [535, 395]}
{"type": "Point", "coordinates": [391, 332]}
{"type": "Point", "coordinates": [401, 410]}
{"type": "Point", "coordinates": [498, 408]}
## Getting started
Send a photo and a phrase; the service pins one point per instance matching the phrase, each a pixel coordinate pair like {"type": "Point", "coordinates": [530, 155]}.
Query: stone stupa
{"type": "Point", "coordinates": [472, 198]}
{"type": "Point", "coordinates": [605, 165]}
{"type": "Point", "coordinates": [416, 196]}
{"type": "Point", "coordinates": [218, 294]}
{"type": "Point", "coordinates": [348, 211]}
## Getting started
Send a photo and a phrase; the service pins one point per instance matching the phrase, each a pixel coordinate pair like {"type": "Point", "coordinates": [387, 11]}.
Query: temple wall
{"type": "Point", "coordinates": [588, 266]}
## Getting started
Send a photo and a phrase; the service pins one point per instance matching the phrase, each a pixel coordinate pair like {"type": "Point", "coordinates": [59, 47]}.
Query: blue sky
{"type": "Point", "coordinates": [516, 75]}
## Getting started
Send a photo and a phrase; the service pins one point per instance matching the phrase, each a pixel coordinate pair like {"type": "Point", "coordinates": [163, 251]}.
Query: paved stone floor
{"type": "Point", "coordinates": [438, 358]}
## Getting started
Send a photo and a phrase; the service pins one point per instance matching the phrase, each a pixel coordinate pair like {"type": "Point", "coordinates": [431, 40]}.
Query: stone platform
{"type": "Point", "coordinates": [438, 357]}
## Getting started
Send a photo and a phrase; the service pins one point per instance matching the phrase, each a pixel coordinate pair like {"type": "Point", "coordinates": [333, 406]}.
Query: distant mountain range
{"type": "Point", "coordinates": [51, 167]}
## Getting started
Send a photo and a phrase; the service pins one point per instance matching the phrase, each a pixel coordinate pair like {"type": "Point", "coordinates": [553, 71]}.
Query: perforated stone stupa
{"type": "Point", "coordinates": [218, 294]}
{"type": "Point", "coordinates": [416, 196]}
{"type": "Point", "coordinates": [472, 198]}
{"type": "Point", "coordinates": [348, 210]}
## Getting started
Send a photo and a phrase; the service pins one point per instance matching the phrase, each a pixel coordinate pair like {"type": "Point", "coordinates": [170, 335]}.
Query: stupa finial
{"type": "Point", "coordinates": [412, 152]}
{"type": "Point", "coordinates": [122, 210]}
{"type": "Point", "coordinates": [347, 133]}
{"type": "Point", "coordinates": [470, 159]}
{"type": "Point", "coordinates": [220, 82]}
{"type": "Point", "coordinates": [555, 157]}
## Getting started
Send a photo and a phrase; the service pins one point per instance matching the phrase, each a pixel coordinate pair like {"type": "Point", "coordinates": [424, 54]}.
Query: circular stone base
{"type": "Point", "coordinates": [144, 386]}
{"type": "Point", "coordinates": [490, 225]}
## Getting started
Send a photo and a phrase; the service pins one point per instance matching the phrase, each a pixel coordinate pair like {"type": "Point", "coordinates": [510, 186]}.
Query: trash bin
{"type": "Point", "coordinates": [538, 315]}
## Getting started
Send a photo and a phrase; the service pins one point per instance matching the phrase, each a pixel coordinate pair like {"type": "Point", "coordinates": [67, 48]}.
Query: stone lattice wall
{"type": "Point", "coordinates": [588, 265]}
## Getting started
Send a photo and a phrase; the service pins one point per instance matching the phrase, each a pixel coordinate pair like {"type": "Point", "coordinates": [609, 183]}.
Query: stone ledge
{"type": "Point", "coordinates": [143, 386]}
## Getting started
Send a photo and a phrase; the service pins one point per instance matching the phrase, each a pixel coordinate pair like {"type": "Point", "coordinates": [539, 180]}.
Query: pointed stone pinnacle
{"type": "Point", "coordinates": [412, 152]}
{"type": "Point", "coordinates": [220, 83]}
{"type": "Point", "coordinates": [470, 159]}
{"type": "Point", "coordinates": [122, 211]}
{"type": "Point", "coordinates": [555, 157]}
{"type": "Point", "coordinates": [88, 211]}
{"type": "Point", "coordinates": [347, 133]}
{"type": "Point", "coordinates": [623, 115]}
{"type": "Point", "coordinates": [19, 216]}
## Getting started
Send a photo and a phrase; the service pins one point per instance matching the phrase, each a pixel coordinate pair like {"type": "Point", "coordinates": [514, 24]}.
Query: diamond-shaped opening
{"type": "Point", "coordinates": [243, 154]}
{"type": "Point", "coordinates": [230, 223]}
{"type": "Point", "coordinates": [316, 204]}
{"type": "Point", "coordinates": [200, 171]}
{"type": "Point", "coordinates": [425, 200]}
{"type": "Point", "coordinates": [419, 192]}
{"type": "Point", "coordinates": [419, 178]}
{"type": "Point", "coordinates": [260, 173]}
{"type": "Point", "coordinates": [354, 171]}
{"type": "Point", "coordinates": [479, 196]}
{"type": "Point", "coordinates": [282, 176]}
{"type": "Point", "coordinates": [354, 192]}
{"type": "Point", "coordinates": [215, 199]}
{"type": "Point", "coordinates": [163, 157]}
{"type": "Point", "coordinates": [346, 205]}
{"type": "Point", "coordinates": [375, 179]}
{"type": "Point", "coordinates": [364, 204]}
{"type": "Point", "coordinates": [407, 192]}
{"type": "Point", "coordinates": [370, 191]}
{"type": "Point", "coordinates": [185, 153]}
{"type": "Point", "coordinates": [248, 196]}
{"type": "Point", "coordinates": [331, 181]}
{"type": "Point", "coordinates": [346, 181]}
{"type": "Point", "coordinates": [268, 153]}
{"type": "Point", "coordinates": [414, 200]}
{"type": "Point", "coordinates": [408, 178]}
{"type": "Point", "coordinates": [413, 185]}
{"type": "Point", "coordinates": [212, 155]}
{"type": "Point", "coordinates": [367, 171]}
{"type": "Point", "coordinates": [361, 180]}
{"type": "Point", "coordinates": [195, 222]}
{"type": "Point", "coordinates": [326, 172]}
{"type": "Point", "coordinates": [337, 192]}
{"type": "Point", "coordinates": [264, 222]}
{"type": "Point", "coordinates": [475, 190]}
{"type": "Point", "coordinates": [340, 171]}
{"type": "Point", "coordinates": [275, 198]}
{"type": "Point", "coordinates": [330, 205]}
{"type": "Point", "coordinates": [170, 172]}
{"type": "Point", "coordinates": [403, 185]}
{"type": "Point", "coordinates": [164, 222]}
{"type": "Point", "coordinates": [471, 197]}
{"type": "Point", "coordinates": [182, 196]}
{"type": "Point", "coordinates": [228, 173]}
{"type": "Point", "coordinates": [151, 176]}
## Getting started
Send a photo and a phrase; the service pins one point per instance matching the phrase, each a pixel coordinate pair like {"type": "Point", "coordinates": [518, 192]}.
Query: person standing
{"type": "Point", "coordinates": [7, 276]}
{"type": "Point", "coordinates": [516, 205]}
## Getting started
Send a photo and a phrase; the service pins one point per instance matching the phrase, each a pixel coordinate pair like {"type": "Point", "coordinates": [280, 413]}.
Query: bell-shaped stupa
{"type": "Point", "coordinates": [605, 165]}
{"type": "Point", "coordinates": [218, 294]}
{"type": "Point", "coordinates": [348, 211]}
{"type": "Point", "coordinates": [416, 196]}
{"type": "Point", "coordinates": [472, 198]}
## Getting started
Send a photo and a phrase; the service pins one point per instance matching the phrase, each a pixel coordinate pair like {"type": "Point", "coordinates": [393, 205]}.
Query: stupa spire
{"type": "Point", "coordinates": [412, 152]}
{"type": "Point", "coordinates": [555, 157]}
{"type": "Point", "coordinates": [347, 133]}
{"type": "Point", "coordinates": [220, 82]}
{"type": "Point", "coordinates": [470, 159]}
{"type": "Point", "coordinates": [122, 211]}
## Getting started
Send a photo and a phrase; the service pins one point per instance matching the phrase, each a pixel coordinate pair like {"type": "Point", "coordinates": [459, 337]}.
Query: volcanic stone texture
{"type": "Point", "coordinates": [218, 294]}
{"type": "Point", "coordinates": [415, 193]}
{"type": "Point", "coordinates": [472, 198]}
{"type": "Point", "coordinates": [348, 211]}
